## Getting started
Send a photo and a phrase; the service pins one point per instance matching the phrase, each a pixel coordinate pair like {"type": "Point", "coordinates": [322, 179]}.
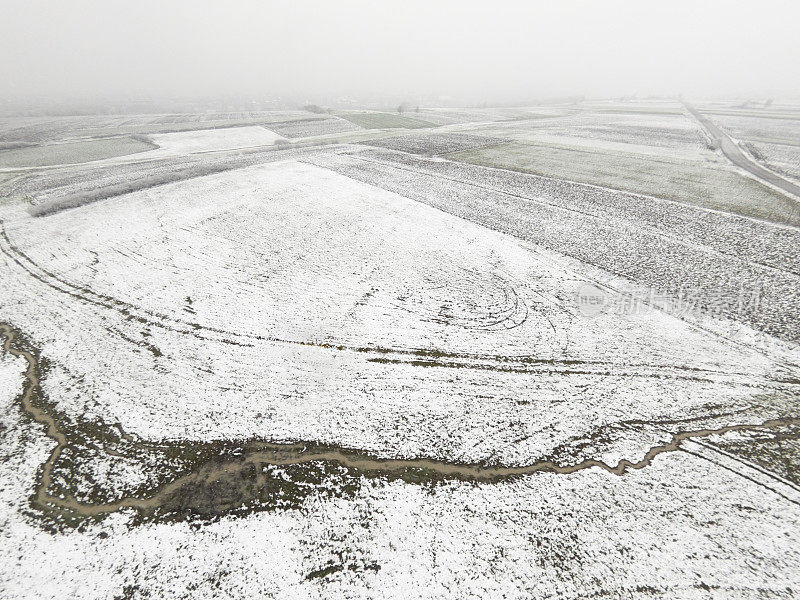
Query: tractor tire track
{"type": "Point", "coordinates": [419, 357]}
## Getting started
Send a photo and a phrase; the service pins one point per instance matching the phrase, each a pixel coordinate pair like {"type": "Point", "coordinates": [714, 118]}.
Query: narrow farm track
{"type": "Point", "coordinates": [733, 153]}
{"type": "Point", "coordinates": [260, 455]}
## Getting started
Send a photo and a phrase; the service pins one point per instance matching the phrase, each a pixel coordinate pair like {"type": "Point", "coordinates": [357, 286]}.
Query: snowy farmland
{"type": "Point", "coordinates": [542, 351]}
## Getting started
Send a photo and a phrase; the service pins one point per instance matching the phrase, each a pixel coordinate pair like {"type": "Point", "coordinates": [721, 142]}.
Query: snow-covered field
{"type": "Point", "coordinates": [663, 131]}
{"type": "Point", "coordinates": [381, 303]}
{"type": "Point", "coordinates": [436, 143]}
{"type": "Point", "coordinates": [666, 155]}
{"type": "Point", "coordinates": [72, 152]}
{"type": "Point", "coordinates": [783, 158]}
{"type": "Point", "coordinates": [313, 126]}
{"type": "Point", "coordinates": [291, 259]}
{"type": "Point", "coordinates": [763, 129]}
{"type": "Point", "coordinates": [209, 140]}
{"type": "Point", "coordinates": [37, 130]}
{"type": "Point", "coordinates": [682, 528]}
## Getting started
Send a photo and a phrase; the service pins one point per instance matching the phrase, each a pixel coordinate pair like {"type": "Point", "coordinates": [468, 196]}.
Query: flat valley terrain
{"type": "Point", "coordinates": [520, 352]}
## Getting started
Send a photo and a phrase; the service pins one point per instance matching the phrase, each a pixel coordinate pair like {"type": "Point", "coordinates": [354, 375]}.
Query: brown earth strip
{"type": "Point", "coordinates": [222, 486]}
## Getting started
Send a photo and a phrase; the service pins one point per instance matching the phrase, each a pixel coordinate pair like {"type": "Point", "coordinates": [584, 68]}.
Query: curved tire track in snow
{"type": "Point", "coordinates": [413, 356]}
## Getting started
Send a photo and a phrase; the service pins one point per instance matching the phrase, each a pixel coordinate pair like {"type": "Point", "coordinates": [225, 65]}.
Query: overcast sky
{"type": "Point", "coordinates": [476, 51]}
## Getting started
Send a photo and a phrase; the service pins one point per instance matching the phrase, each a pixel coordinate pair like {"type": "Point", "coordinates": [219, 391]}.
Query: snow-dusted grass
{"type": "Point", "coordinates": [72, 152]}
{"type": "Point", "coordinates": [313, 126]}
{"type": "Point", "coordinates": [282, 301]}
{"type": "Point", "coordinates": [783, 158]}
{"type": "Point", "coordinates": [677, 529]}
{"type": "Point", "coordinates": [12, 370]}
{"type": "Point", "coordinates": [760, 129]}
{"type": "Point", "coordinates": [381, 120]}
{"type": "Point", "coordinates": [715, 259]}
{"type": "Point", "coordinates": [160, 146]}
{"type": "Point", "coordinates": [49, 190]}
{"type": "Point", "coordinates": [648, 108]}
{"type": "Point", "coordinates": [373, 302]}
{"type": "Point", "coordinates": [39, 130]}
{"type": "Point", "coordinates": [435, 143]}
{"type": "Point", "coordinates": [675, 135]}
{"type": "Point", "coordinates": [709, 185]}
{"type": "Point", "coordinates": [453, 116]}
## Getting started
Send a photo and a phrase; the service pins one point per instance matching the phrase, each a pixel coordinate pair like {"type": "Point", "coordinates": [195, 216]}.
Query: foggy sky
{"type": "Point", "coordinates": [475, 51]}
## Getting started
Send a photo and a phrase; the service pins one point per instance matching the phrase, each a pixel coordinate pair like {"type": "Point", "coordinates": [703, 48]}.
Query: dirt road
{"type": "Point", "coordinates": [732, 151]}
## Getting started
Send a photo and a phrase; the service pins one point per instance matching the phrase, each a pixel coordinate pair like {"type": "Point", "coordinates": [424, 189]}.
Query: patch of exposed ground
{"type": "Point", "coordinates": [212, 479]}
